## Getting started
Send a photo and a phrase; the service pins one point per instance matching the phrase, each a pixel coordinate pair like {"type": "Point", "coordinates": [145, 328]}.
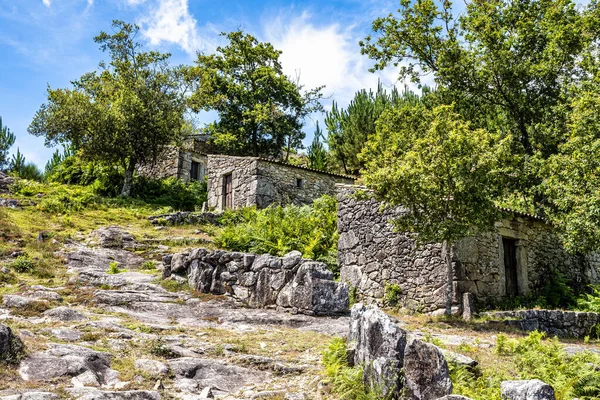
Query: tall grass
{"type": "Point", "coordinates": [277, 230]}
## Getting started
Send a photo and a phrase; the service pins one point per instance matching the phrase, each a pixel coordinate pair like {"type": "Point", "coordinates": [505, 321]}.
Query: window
{"type": "Point", "coordinates": [299, 183]}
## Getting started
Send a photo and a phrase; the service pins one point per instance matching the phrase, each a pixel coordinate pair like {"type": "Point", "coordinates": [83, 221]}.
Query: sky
{"type": "Point", "coordinates": [49, 43]}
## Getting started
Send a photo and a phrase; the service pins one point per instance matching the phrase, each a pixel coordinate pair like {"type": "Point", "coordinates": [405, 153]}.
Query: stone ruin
{"type": "Point", "coordinates": [261, 281]}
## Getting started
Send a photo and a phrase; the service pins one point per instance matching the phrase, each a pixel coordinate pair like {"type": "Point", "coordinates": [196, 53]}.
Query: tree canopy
{"type": "Point", "coordinates": [261, 110]}
{"type": "Point", "coordinates": [125, 113]}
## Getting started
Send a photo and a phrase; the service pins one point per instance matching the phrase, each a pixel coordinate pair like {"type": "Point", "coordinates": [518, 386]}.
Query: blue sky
{"type": "Point", "coordinates": [49, 42]}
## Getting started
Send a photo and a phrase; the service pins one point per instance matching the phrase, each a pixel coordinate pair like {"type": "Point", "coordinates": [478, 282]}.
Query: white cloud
{"type": "Point", "coordinates": [47, 3]}
{"type": "Point", "coordinates": [325, 55]}
{"type": "Point", "coordinates": [170, 21]}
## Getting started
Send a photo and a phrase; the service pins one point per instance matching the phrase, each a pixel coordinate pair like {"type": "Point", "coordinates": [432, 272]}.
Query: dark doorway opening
{"type": "Point", "coordinates": [195, 171]}
{"type": "Point", "coordinates": [227, 191]}
{"type": "Point", "coordinates": [510, 266]}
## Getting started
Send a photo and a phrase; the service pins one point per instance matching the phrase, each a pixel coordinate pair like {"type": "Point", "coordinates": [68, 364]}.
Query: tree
{"type": "Point", "coordinates": [445, 175]}
{"type": "Point", "coordinates": [57, 158]}
{"type": "Point", "coordinates": [350, 128]}
{"type": "Point", "coordinates": [21, 168]}
{"type": "Point", "coordinates": [7, 139]}
{"type": "Point", "coordinates": [261, 111]}
{"type": "Point", "coordinates": [316, 152]}
{"type": "Point", "coordinates": [125, 113]}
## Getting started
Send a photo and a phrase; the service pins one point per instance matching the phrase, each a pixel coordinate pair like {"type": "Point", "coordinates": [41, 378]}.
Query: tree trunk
{"type": "Point", "coordinates": [128, 183]}
{"type": "Point", "coordinates": [446, 251]}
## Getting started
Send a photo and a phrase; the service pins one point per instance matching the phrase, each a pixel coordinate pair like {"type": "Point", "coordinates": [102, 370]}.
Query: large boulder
{"type": "Point", "coordinates": [533, 389]}
{"type": "Point", "coordinates": [5, 183]}
{"type": "Point", "coordinates": [426, 374]}
{"type": "Point", "coordinates": [379, 346]}
{"type": "Point", "coordinates": [11, 347]}
{"type": "Point", "coordinates": [113, 237]}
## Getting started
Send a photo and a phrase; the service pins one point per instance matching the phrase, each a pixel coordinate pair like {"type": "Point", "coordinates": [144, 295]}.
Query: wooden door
{"type": "Point", "coordinates": [227, 190]}
{"type": "Point", "coordinates": [510, 266]}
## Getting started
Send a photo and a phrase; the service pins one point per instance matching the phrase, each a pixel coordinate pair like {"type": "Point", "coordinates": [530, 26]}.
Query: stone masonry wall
{"type": "Point", "coordinates": [177, 161]}
{"type": "Point", "coordinates": [279, 183]}
{"type": "Point", "coordinates": [553, 322]}
{"type": "Point", "coordinates": [244, 173]}
{"type": "Point", "coordinates": [262, 281]}
{"type": "Point", "coordinates": [371, 254]}
{"type": "Point", "coordinates": [260, 182]}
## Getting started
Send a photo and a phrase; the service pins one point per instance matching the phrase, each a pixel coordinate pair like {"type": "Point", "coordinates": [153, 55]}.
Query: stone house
{"type": "Point", "coordinates": [235, 182]}
{"type": "Point", "coordinates": [519, 256]}
{"type": "Point", "coordinates": [186, 162]}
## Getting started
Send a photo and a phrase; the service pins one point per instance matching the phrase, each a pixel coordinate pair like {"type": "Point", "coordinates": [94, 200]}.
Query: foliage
{"type": "Point", "coordinates": [347, 383]}
{"type": "Point", "coordinates": [124, 114]}
{"type": "Point", "coordinates": [20, 167]}
{"type": "Point", "coordinates": [22, 264]}
{"type": "Point", "coordinates": [7, 139]}
{"type": "Point", "coordinates": [316, 152]}
{"type": "Point", "coordinates": [392, 293]}
{"type": "Point", "coordinates": [350, 128]}
{"type": "Point", "coordinates": [260, 109]}
{"type": "Point", "coordinates": [149, 265]}
{"type": "Point", "coordinates": [590, 301]}
{"type": "Point", "coordinates": [56, 160]}
{"type": "Point", "coordinates": [277, 230]}
{"type": "Point", "coordinates": [445, 174]}
{"type": "Point", "coordinates": [113, 268]}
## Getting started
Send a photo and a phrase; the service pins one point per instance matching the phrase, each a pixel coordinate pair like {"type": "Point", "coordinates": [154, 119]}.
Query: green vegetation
{"type": "Point", "coordinates": [277, 230]}
{"type": "Point", "coordinates": [316, 152]}
{"type": "Point", "coordinates": [532, 357]}
{"type": "Point", "coordinates": [261, 110]}
{"type": "Point", "coordinates": [7, 139]}
{"type": "Point", "coordinates": [392, 293]}
{"type": "Point", "coordinates": [123, 114]}
{"type": "Point", "coordinates": [113, 268]}
{"type": "Point", "coordinates": [19, 167]}
{"type": "Point", "coordinates": [149, 265]}
{"type": "Point", "coordinates": [22, 264]}
{"type": "Point", "coordinates": [346, 382]}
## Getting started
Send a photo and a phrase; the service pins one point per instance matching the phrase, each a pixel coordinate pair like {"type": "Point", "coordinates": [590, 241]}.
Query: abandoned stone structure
{"type": "Point", "coordinates": [262, 281]}
{"type": "Point", "coordinates": [235, 182]}
{"type": "Point", "coordinates": [186, 162]}
{"type": "Point", "coordinates": [522, 254]}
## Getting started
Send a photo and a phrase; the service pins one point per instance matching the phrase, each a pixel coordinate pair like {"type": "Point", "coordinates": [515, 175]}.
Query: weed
{"type": "Point", "coordinates": [149, 265]}
{"type": "Point", "coordinates": [392, 294]}
{"type": "Point", "coordinates": [90, 336]}
{"type": "Point", "coordinates": [32, 309]}
{"type": "Point", "coordinates": [113, 268]}
{"type": "Point", "coordinates": [159, 349]}
{"type": "Point", "coordinates": [22, 264]}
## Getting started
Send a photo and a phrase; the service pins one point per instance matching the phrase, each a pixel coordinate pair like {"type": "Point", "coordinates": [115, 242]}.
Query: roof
{"type": "Point", "coordinates": [504, 209]}
{"type": "Point", "coordinates": [269, 160]}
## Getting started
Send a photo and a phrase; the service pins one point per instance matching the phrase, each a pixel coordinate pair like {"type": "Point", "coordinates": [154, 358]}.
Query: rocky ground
{"type": "Point", "coordinates": [104, 335]}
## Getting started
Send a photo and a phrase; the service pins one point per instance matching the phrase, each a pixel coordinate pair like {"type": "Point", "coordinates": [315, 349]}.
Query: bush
{"type": "Point", "coordinates": [590, 301]}
{"type": "Point", "coordinates": [113, 268]}
{"type": "Point", "coordinates": [22, 264]}
{"type": "Point", "coordinates": [392, 293]}
{"type": "Point", "coordinates": [277, 230]}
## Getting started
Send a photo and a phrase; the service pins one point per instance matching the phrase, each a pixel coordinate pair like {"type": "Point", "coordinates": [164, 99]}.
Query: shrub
{"type": "Point", "coordinates": [590, 301]}
{"type": "Point", "coordinates": [22, 264]}
{"type": "Point", "coordinates": [392, 293]}
{"type": "Point", "coordinates": [277, 230]}
{"type": "Point", "coordinates": [113, 268]}
{"type": "Point", "coordinates": [149, 265]}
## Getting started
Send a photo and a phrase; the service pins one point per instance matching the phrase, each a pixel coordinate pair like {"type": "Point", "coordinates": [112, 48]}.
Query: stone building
{"type": "Point", "coordinates": [235, 182]}
{"type": "Point", "coordinates": [186, 162]}
{"type": "Point", "coordinates": [518, 257]}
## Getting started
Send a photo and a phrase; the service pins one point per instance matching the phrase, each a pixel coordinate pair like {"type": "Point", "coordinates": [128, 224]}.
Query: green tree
{"type": "Point", "coordinates": [7, 139]}
{"type": "Point", "coordinates": [125, 113]}
{"type": "Point", "coordinates": [261, 111]}
{"type": "Point", "coordinates": [316, 152]}
{"type": "Point", "coordinates": [350, 128]}
{"type": "Point", "coordinates": [21, 168]}
{"type": "Point", "coordinates": [444, 174]}
{"type": "Point", "coordinates": [57, 158]}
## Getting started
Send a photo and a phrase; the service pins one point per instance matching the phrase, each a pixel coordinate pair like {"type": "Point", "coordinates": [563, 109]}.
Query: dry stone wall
{"type": "Point", "coordinates": [553, 322]}
{"type": "Point", "coordinates": [371, 254]}
{"type": "Point", "coordinates": [262, 281]}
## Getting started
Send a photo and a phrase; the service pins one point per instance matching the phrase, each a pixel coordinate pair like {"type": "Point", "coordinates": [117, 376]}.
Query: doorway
{"type": "Point", "coordinates": [227, 191]}
{"type": "Point", "coordinates": [510, 266]}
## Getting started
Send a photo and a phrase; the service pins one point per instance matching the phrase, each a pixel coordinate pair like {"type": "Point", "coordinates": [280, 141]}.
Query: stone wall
{"type": "Point", "coordinates": [371, 254]}
{"type": "Point", "coordinates": [262, 281]}
{"type": "Point", "coordinates": [553, 322]}
{"type": "Point", "coordinates": [185, 218]}
{"type": "Point", "coordinates": [260, 182]}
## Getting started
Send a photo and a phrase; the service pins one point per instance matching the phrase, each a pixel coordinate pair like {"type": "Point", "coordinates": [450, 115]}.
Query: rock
{"type": "Point", "coordinates": [95, 394]}
{"type": "Point", "coordinates": [9, 203]}
{"type": "Point", "coordinates": [65, 314]}
{"type": "Point", "coordinates": [206, 372]}
{"type": "Point", "coordinates": [379, 345]}
{"type": "Point", "coordinates": [459, 359]}
{"type": "Point", "coordinates": [271, 394]}
{"type": "Point", "coordinates": [207, 393]}
{"type": "Point", "coordinates": [454, 397]}
{"type": "Point", "coordinates": [43, 236]}
{"type": "Point", "coordinates": [16, 301]}
{"type": "Point", "coordinates": [291, 259]}
{"type": "Point", "coordinates": [32, 396]}
{"type": "Point", "coordinates": [68, 335]}
{"type": "Point", "coordinates": [88, 378]}
{"type": "Point", "coordinates": [152, 367]}
{"type": "Point", "coordinates": [63, 360]}
{"type": "Point", "coordinates": [114, 237]}
{"type": "Point", "coordinates": [468, 306]}
{"type": "Point", "coordinates": [5, 183]}
{"type": "Point", "coordinates": [533, 389]}
{"type": "Point", "coordinates": [426, 374]}
{"type": "Point", "coordinates": [11, 347]}
{"type": "Point", "coordinates": [85, 259]}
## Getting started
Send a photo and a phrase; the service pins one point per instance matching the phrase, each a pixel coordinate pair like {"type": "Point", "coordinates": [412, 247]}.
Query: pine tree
{"type": "Point", "coordinates": [7, 139]}
{"type": "Point", "coordinates": [317, 154]}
